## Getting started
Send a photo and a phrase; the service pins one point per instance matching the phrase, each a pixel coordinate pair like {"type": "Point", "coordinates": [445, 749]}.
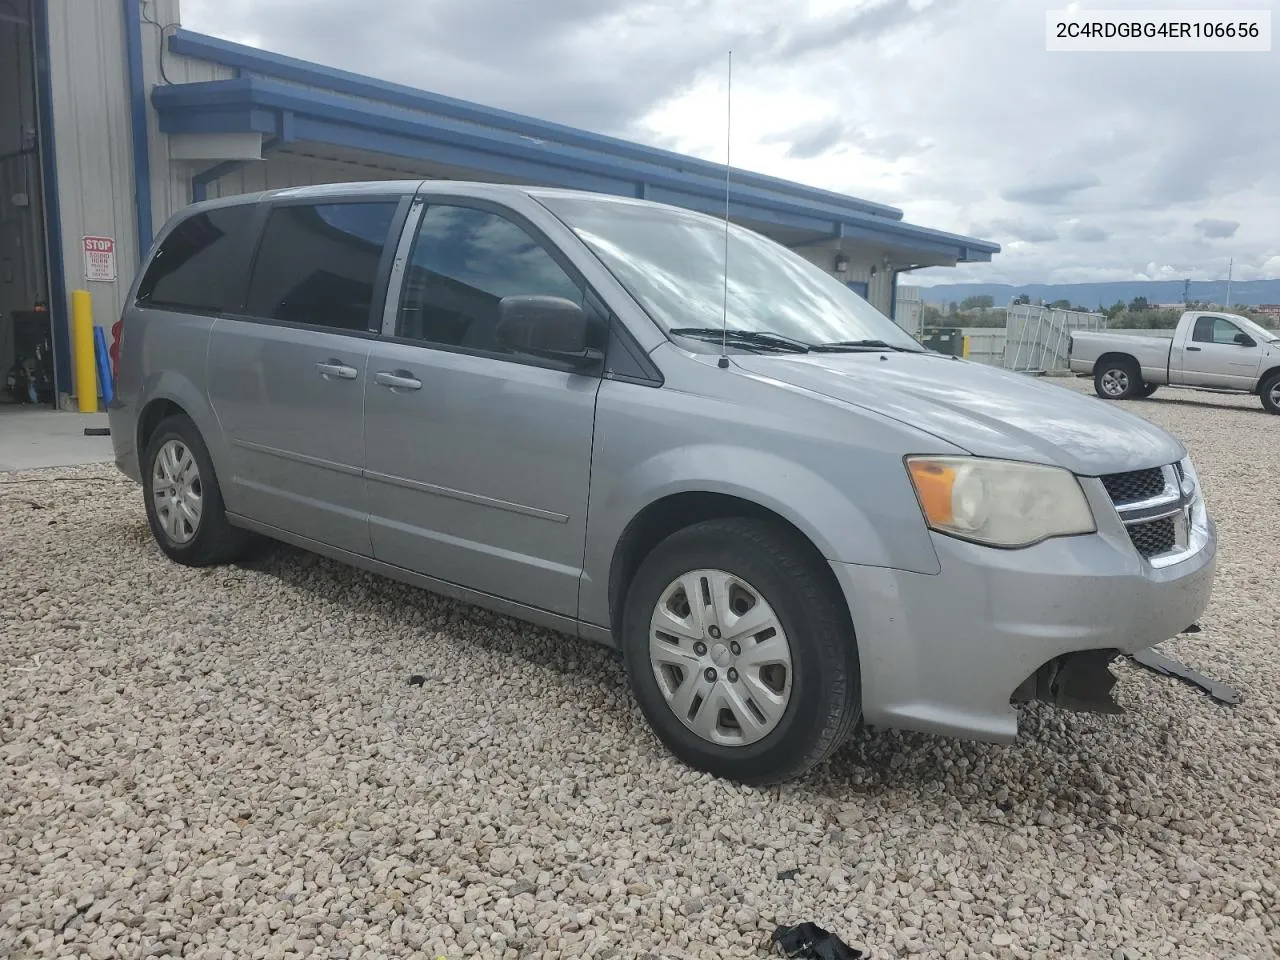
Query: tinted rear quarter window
{"type": "Point", "coordinates": [318, 264]}
{"type": "Point", "coordinates": [203, 263]}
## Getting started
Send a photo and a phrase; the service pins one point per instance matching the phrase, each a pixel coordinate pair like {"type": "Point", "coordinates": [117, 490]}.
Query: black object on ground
{"type": "Point", "coordinates": [808, 940]}
{"type": "Point", "coordinates": [417, 680]}
{"type": "Point", "coordinates": [97, 431]}
{"type": "Point", "coordinates": [787, 874]}
{"type": "Point", "coordinates": [1153, 659]}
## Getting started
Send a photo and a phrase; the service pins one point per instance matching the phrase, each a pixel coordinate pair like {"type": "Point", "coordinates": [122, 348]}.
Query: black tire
{"type": "Point", "coordinates": [1269, 391]}
{"type": "Point", "coordinates": [825, 699]}
{"type": "Point", "coordinates": [1148, 389]}
{"type": "Point", "coordinates": [215, 540]}
{"type": "Point", "coordinates": [1117, 371]}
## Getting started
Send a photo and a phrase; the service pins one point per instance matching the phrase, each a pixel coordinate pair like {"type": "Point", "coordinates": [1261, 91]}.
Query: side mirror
{"type": "Point", "coordinates": [1244, 340]}
{"type": "Point", "coordinates": [549, 327]}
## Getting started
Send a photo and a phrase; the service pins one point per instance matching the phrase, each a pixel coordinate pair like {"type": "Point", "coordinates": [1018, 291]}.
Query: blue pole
{"type": "Point", "coordinates": [138, 119]}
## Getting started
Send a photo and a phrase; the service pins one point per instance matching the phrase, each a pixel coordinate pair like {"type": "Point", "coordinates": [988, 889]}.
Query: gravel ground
{"type": "Point", "coordinates": [232, 763]}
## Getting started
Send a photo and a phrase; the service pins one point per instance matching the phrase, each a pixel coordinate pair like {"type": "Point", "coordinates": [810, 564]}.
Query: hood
{"type": "Point", "coordinates": [985, 410]}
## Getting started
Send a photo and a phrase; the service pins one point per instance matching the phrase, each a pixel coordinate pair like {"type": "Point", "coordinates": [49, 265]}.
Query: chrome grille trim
{"type": "Point", "coordinates": [1148, 520]}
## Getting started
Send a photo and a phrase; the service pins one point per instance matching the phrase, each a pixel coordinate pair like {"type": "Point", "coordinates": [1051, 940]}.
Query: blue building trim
{"type": "Point", "coordinates": [138, 121]}
{"type": "Point", "coordinates": [247, 60]}
{"type": "Point", "coordinates": [59, 326]}
{"type": "Point", "coordinates": [258, 104]}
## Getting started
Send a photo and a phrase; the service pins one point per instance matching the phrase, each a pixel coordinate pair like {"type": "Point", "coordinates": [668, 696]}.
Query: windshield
{"type": "Point", "coordinates": [672, 262]}
{"type": "Point", "coordinates": [1256, 330]}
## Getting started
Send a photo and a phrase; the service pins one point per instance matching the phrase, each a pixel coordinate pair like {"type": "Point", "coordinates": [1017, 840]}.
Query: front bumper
{"type": "Point", "coordinates": [944, 653]}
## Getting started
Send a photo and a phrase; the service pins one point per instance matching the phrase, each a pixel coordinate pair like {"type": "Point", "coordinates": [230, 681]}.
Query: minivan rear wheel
{"type": "Point", "coordinates": [740, 651]}
{"type": "Point", "coordinates": [183, 502]}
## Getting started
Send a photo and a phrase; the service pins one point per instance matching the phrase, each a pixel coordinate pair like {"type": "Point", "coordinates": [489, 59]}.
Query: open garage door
{"type": "Point", "coordinates": [26, 335]}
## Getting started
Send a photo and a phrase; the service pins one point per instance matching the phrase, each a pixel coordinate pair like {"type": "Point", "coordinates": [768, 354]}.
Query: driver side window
{"type": "Point", "coordinates": [464, 261]}
{"type": "Point", "coordinates": [1215, 330]}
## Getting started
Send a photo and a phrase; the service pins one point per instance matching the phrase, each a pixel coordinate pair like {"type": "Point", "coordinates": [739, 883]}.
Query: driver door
{"type": "Point", "coordinates": [1222, 355]}
{"type": "Point", "coordinates": [478, 459]}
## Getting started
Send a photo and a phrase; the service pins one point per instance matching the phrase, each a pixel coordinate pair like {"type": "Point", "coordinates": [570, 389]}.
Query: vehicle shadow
{"type": "Point", "coordinates": [420, 611]}
{"type": "Point", "coordinates": [1256, 407]}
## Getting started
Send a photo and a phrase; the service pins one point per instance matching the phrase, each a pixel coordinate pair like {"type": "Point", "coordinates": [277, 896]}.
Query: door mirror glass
{"type": "Point", "coordinates": [543, 326]}
{"type": "Point", "coordinates": [1244, 340]}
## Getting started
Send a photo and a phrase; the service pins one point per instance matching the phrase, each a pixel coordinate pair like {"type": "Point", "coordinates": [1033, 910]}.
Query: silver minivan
{"type": "Point", "coordinates": [786, 514]}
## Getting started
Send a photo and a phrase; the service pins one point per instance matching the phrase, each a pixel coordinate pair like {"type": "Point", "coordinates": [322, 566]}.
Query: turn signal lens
{"type": "Point", "coordinates": [934, 484]}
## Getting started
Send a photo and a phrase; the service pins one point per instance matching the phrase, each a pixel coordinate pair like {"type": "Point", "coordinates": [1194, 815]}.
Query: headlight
{"type": "Point", "coordinates": [1000, 503]}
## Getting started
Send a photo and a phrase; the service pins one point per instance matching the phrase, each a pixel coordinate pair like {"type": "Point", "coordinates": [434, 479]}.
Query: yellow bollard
{"type": "Point", "coordinates": [86, 370]}
{"type": "Point", "coordinates": [964, 347]}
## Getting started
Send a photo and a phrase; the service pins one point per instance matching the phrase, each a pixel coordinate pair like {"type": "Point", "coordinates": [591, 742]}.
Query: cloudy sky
{"type": "Point", "coordinates": [1085, 167]}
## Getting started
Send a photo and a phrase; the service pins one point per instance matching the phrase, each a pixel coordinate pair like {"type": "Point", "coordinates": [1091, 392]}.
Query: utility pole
{"type": "Point", "coordinates": [1230, 267]}
{"type": "Point", "coordinates": [1186, 291]}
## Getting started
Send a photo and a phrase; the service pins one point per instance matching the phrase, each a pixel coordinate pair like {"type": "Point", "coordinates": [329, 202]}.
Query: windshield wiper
{"type": "Point", "coordinates": [764, 339]}
{"type": "Point", "coordinates": [840, 346]}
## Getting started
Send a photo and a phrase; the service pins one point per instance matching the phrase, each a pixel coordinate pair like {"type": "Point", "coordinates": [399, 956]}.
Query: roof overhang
{"type": "Point", "coordinates": [287, 114]}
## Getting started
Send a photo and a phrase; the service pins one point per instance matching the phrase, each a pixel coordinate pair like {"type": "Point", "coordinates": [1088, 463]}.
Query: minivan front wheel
{"type": "Point", "coordinates": [183, 501]}
{"type": "Point", "coordinates": [740, 651]}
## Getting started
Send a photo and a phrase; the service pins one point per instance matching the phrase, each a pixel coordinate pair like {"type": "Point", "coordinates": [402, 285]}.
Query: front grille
{"type": "Point", "coordinates": [1134, 486]}
{"type": "Point", "coordinates": [1154, 537]}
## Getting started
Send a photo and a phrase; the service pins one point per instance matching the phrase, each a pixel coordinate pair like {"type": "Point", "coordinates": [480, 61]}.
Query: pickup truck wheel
{"type": "Point", "coordinates": [1117, 379]}
{"type": "Point", "coordinates": [740, 651]}
{"type": "Point", "coordinates": [1148, 389]}
{"type": "Point", "coordinates": [1270, 393]}
{"type": "Point", "coordinates": [183, 501]}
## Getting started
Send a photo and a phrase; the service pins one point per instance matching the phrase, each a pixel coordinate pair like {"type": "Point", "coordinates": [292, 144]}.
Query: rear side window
{"type": "Point", "coordinates": [201, 264]}
{"type": "Point", "coordinates": [318, 264]}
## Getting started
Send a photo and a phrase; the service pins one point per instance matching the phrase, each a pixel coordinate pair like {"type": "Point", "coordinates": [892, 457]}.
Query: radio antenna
{"type": "Point", "coordinates": [728, 144]}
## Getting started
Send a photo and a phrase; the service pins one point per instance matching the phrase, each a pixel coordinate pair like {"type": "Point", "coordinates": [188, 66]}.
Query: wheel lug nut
{"type": "Point", "coordinates": [735, 647]}
{"type": "Point", "coordinates": [700, 649]}
{"type": "Point", "coordinates": [715, 632]}
{"type": "Point", "coordinates": [710, 674]}
{"type": "Point", "coordinates": [733, 675]}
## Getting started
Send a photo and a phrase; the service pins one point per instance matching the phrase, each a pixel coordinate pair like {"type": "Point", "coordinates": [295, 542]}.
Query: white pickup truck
{"type": "Point", "coordinates": [1208, 350]}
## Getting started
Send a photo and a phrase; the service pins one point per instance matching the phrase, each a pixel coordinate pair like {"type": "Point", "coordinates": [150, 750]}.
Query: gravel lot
{"type": "Point", "coordinates": [231, 763]}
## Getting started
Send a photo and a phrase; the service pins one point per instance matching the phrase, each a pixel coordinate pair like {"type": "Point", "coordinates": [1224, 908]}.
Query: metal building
{"type": "Point", "coordinates": [112, 117]}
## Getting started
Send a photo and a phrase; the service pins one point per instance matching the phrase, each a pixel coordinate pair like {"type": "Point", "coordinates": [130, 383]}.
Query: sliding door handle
{"type": "Point", "coordinates": [397, 380]}
{"type": "Point", "coordinates": [336, 370]}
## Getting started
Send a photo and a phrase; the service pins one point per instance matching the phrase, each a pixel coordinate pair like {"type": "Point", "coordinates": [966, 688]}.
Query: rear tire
{"type": "Point", "coordinates": [1269, 391]}
{"type": "Point", "coordinates": [1119, 378]}
{"type": "Point", "coordinates": [710, 675]}
{"type": "Point", "coordinates": [183, 501]}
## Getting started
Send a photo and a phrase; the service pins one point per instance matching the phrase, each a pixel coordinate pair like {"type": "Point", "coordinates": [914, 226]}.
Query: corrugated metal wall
{"type": "Point", "coordinates": [92, 136]}
{"type": "Point", "coordinates": [290, 170]}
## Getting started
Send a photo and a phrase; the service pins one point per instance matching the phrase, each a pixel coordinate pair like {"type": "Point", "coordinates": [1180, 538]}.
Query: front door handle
{"type": "Point", "coordinates": [399, 380]}
{"type": "Point", "coordinates": [1193, 349]}
{"type": "Point", "coordinates": [336, 370]}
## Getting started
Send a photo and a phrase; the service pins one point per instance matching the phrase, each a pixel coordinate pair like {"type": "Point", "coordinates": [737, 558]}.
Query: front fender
{"type": "Point", "coordinates": [872, 519]}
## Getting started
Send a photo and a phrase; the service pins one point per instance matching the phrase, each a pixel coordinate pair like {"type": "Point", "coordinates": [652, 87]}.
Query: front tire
{"type": "Point", "coordinates": [755, 677]}
{"type": "Point", "coordinates": [1117, 379]}
{"type": "Point", "coordinates": [1269, 391]}
{"type": "Point", "coordinates": [1148, 389]}
{"type": "Point", "coordinates": [183, 501]}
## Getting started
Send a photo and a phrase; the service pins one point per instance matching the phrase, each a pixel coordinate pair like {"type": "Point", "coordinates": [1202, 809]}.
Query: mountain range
{"type": "Point", "coordinates": [1091, 295]}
